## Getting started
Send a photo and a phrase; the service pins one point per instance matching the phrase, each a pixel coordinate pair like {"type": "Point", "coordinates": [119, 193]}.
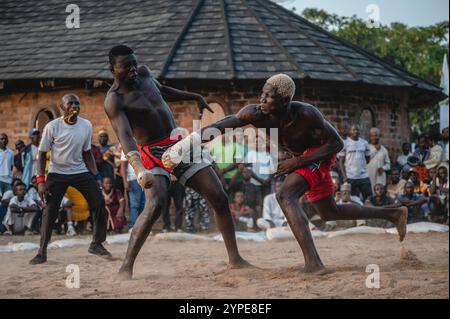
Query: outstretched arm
{"type": "Point", "coordinates": [180, 95]}
{"type": "Point", "coordinates": [245, 116]}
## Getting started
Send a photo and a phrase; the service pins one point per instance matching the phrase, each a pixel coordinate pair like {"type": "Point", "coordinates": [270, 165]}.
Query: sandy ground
{"type": "Point", "coordinates": [419, 268]}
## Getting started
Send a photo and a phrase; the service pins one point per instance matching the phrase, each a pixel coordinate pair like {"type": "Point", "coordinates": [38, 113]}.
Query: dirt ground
{"type": "Point", "coordinates": [418, 268]}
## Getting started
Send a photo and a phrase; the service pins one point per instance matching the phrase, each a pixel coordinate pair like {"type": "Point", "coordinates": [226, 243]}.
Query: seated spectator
{"type": "Point", "coordinates": [416, 203]}
{"type": "Point", "coordinates": [115, 205]}
{"type": "Point", "coordinates": [243, 215]}
{"type": "Point", "coordinates": [396, 184]}
{"type": "Point", "coordinates": [21, 212]}
{"type": "Point", "coordinates": [439, 196]}
{"type": "Point", "coordinates": [431, 175]}
{"type": "Point", "coordinates": [195, 204]}
{"type": "Point", "coordinates": [337, 185]}
{"type": "Point", "coordinates": [64, 223]}
{"type": "Point", "coordinates": [273, 216]}
{"type": "Point", "coordinates": [347, 198]}
{"type": "Point", "coordinates": [419, 186]}
{"type": "Point", "coordinates": [380, 199]}
{"type": "Point", "coordinates": [5, 199]}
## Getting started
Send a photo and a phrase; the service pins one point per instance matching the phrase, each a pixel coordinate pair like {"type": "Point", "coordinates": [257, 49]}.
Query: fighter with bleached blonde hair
{"type": "Point", "coordinates": [313, 144]}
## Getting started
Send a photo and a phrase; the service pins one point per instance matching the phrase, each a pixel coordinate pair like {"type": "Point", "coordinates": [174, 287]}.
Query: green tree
{"type": "Point", "coordinates": [418, 50]}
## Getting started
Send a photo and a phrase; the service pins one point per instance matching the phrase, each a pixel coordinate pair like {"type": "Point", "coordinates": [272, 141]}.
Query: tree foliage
{"type": "Point", "coordinates": [419, 50]}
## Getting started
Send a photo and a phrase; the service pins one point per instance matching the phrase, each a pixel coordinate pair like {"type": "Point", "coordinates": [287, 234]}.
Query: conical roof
{"type": "Point", "coordinates": [188, 39]}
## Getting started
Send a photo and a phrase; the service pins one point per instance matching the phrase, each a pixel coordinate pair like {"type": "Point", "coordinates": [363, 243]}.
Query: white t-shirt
{"type": "Point", "coordinates": [34, 159]}
{"type": "Point", "coordinates": [272, 210]}
{"type": "Point", "coordinates": [6, 164]}
{"type": "Point", "coordinates": [27, 202]}
{"type": "Point", "coordinates": [131, 176]}
{"type": "Point", "coordinates": [355, 153]}
{"type": "Point", "coordinates": [67, 144]}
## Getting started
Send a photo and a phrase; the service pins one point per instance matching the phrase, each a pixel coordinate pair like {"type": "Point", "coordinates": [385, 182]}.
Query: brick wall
{"type": "Point", "coordinates": [340, 104]}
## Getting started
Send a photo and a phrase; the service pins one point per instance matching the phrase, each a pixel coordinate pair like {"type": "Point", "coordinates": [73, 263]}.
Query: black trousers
{"type": "Point", "coordinates": [85, 183]}
{"type": "Point", "coordinates": [361, 186]}
{"type": "Point", "coordinates": [177, 192]}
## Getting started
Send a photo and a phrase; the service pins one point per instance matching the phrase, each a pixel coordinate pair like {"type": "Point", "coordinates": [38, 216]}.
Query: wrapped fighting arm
{"type": "Point", "coordinates": [144, 176]}
{"type": "Point", "coordinates": [181, 150]}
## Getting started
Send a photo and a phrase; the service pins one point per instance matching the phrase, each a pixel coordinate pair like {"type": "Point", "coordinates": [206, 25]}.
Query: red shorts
{"type": "Point", "coordinates": [151, 154]}
{"type": "Point", "coordinates": [318, 177]}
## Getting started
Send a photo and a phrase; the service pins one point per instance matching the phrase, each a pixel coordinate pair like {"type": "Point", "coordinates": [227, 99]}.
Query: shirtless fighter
{"type": "Point", "coordinates": [313, 143]}
{"type": "Point", "coordinates": [143, 123]}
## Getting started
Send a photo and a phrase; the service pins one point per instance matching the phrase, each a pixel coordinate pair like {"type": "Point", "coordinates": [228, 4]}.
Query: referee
{"type": "Point", "coordinates": [71, 164]}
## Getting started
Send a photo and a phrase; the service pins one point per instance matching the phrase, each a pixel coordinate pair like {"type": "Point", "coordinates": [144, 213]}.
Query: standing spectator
{"type": "Point", "coordinates": [262, 166]}
{"type": "Point", "coordinates": [380, 199]}
{"type": "Point", "coordinates": [71, 164]}
{"type": "Point", "coordinates": [225, 153]}
{"type": "Point", "coordinates": [136, 196]}
{"type": "Point", "coordinates": [396, 184]}
{"type": "Point", "coordinates": [353, 161]}
{"type": "Point", "coordinates": [273, 216]}
{"type": "Point", "coordinates": [115, 205]}
{"type": "Point", "coordinates": [6, 164]}
{"type": "Point", "coordinates": [18, 159]}
{"type": "Point", "coordinates": [249, 190]}
{"type": "Point", "coordinates": [195, 204]}
{"type": "Point", "coordinates": [107, 168]}
{"type": "Point", "coordinates": [439, 195]}
{"type": "Point", "coordinates": [379, 159]}
{"type": "Point", "coordinates": [402, 159]}
{"type": "Point", "coordinates": [445, 143]}
{"type": "Point", "coordinates": [30, 154]}
{"type": "Point", "coordinates": [98, 157]}
{"type": "Point", "coordinates": [21, 212]}
{"type": "Point", "coordinates": [243, 215]}
{"type": "Point", "coordinates": [436, 153]}
{"type": "Point", "coordinates": [176, 191]}
{"type": "Point", "coordinates": [422, 154]}
{"type": "Point", "coordinates": [415, 202]}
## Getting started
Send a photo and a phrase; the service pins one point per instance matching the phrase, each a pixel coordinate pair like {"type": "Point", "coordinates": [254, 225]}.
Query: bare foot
{"type": "Point", "coordinates": [401, 222]}
{"type": "Point", "coordinates": [240, 264]}
{"type": "Point", "coordinates": [317, 270]}
{"type": "Point", "coordinates": [124, 275]}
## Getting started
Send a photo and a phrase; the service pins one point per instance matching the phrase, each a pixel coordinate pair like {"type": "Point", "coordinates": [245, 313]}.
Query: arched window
{"type": "Point", "coordinates": [366, 122]}
{"type": "Point", "coordinates": [43, 117]}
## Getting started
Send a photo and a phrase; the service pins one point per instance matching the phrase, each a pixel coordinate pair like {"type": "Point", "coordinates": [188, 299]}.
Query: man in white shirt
{"type": "Point", "coordinates": [71, 164]}
{"type": "Point", "coordinates": [6, 164]}
{"type": "Point", "coordinates": [273, 216]}
{"type": "Point", "coordinates": [379, 159]}
{"type": "Point", "coordinates": [402, 159]}
{"type": "Point", "coordinates": [353, 161]}
{"type": "Point", "coordinates": [21, 212]}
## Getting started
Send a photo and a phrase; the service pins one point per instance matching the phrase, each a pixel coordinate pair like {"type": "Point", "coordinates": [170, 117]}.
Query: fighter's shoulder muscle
{"type": "Point", "coordinates": [144, 71]}
{"type": "Point", "coordinates": [307, 111]}
{"type": "Point", "coordinates": [250, 114]}
{"type": "Point", "coordinates": [113, 103]}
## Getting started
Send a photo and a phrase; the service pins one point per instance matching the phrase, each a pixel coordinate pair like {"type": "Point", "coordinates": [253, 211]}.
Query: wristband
{"type": "Point", "coordinates": [40, 179]}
